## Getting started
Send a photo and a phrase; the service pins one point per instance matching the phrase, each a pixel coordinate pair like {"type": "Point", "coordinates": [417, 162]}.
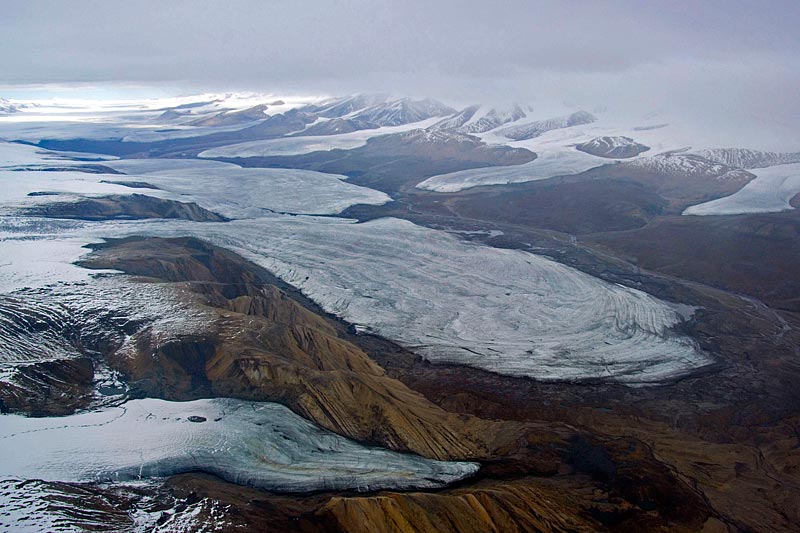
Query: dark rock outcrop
{"type": "Point", "coordinates": [50, 388]}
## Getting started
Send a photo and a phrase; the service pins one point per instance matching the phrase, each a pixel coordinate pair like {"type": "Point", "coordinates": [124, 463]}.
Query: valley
{"type": "Point", "coordinates": [367, 313]}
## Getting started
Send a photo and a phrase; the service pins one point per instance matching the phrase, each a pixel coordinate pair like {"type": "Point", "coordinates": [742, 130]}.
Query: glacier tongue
{"type": "Point", "coordinates": [259, 444]}
{"type": "Point", "coordinates": [770, 192]}
{"type": "Point", "coordinates": [505, 311]}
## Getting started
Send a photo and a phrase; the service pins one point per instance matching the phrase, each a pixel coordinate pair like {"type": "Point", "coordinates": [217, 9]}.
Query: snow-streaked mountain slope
{"type": "Point", "coordinates": [232, 118]}
{"type": "Point", "coordinates": [457, 120]}
{"type": "Point", "coordinates": [342, 106]}
{"type": "Point", "coordinates": [480, 119]}
{"type": "Point", "coordinates": [402, 111]}
{"type": "Point", "coordinates": [613, 147]}
{"type": "Point", "coordinates": [534, 129]}
{"type": "Point", "coordinates": [684, 164]}
{"type": "Point", "coordinates": [258, 444]}
{"type": "Point", "coordinates": [295, 145]}
{"type": "Point", "coordinates": [748, 159]}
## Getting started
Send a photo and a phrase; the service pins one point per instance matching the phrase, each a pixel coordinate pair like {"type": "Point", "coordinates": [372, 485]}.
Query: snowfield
{"type": "Point", "coordinates": [263, 445]}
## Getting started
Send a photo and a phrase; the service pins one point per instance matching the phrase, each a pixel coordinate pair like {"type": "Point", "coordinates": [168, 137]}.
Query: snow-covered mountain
{"type": "Point", "coordinates": [346, 105]}
{"type": "Point", "coordinates": [534, 129]}
{"type": "Point", "coordinates": [230, 118]}
{"type": "Point", "coordinates": [337, 126]}
{"type": "Point", "coordinates": [480, 119]}
{"type": "Point", "coordinates": [685, 164]}
{"type": "Point", "coordinates": [746, 158]}
{"type": "Point", "coordinates": [7, 107]}
{"type": "Point", "coordinates": [612, 147]}
{"type": "Point", "coordinates": [403, 111]}
{"type": "Point", "coordinates": [366, 112]}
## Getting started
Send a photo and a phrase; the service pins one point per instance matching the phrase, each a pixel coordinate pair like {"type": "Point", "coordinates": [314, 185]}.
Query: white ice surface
{"type": "Point", "coordinates": [37, 262]}
{"type": "Point", "coordinates": [221, 187]}
{"type": "Point", "coordinates": [295, 145]}
{"type": "Point", "coordinates": [45, 299]}
{"type": "Point", "coordinates": [770, 192]}
{"type": "Point", "coordinates": [248, 192]}
{"type": "Point", "coordinates": [259, 444]}
{"type": "Point", "coordinates": [14, 154]}
{"type": "Point", "coordinates": [548, 164]}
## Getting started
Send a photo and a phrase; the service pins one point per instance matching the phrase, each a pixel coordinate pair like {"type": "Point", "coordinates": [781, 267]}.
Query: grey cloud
{"type": "Point", "coordinates": [719, 56]}
{"type": "Point", "coordinates": [257, 42]}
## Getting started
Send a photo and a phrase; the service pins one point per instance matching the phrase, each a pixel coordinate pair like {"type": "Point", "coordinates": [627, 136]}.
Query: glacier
{"type": "Point", "coordinates": [769, 192]}
{"type": "Point", "coordinates": [237, 192]}
{"type": "Point", "coordinates": [548, 164]}
{"type": "Point", "coordinates": [451, 301]}
{"type": "Point", "coordinates": [263, 445]}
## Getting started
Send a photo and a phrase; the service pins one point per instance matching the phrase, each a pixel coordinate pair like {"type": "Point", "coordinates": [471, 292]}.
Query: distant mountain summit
{"type": "Point", "coordinates": [403, 111]}
{"type": "Point", "coordinates": [480, 119]}
{"type": "Point", "coordinates": [612, 147]}
{"type": "Point", "coordinates": [365, 112]}
{"type": "Point", "coordinates": [232, 118]}
{"type": "Point", "coordinates": [345, 105]}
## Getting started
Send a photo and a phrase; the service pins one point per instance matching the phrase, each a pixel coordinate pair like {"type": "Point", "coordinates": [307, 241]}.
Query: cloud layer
{"type": "Point", "coordinates": [717, 56]}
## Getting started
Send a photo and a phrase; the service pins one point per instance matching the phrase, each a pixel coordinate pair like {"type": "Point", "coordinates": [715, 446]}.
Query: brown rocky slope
{"type": "Point", "coordinates": [268, 343]}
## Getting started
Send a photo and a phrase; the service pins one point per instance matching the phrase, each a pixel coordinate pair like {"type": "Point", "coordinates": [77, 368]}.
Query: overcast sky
{"type": "Point", "coordinates": [743, 55]}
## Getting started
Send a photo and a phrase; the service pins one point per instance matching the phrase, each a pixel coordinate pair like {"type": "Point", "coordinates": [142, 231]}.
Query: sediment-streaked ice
{"type": "Point", "coordinates": [770, 192]}
{"type": "Point", "coordinates": [259, 444]}
{"type": "Point", "coordinates": [237, 192]}
{"type": "Point", "coordinates": [506, 311]}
